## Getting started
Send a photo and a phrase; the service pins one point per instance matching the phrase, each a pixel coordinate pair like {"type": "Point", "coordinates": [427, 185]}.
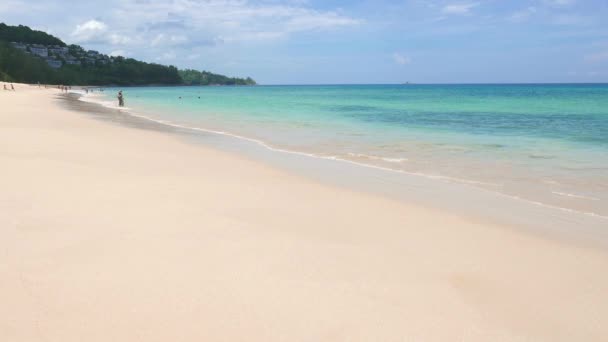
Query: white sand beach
{"type": "Point", "coordinates": [109, 233]}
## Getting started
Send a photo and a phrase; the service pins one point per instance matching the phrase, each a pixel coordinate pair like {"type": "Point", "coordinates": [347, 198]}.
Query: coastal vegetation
{"type": "Point", "coordinates": [195, 77]}
{"type": "Point", "coordinates": [32, 56]}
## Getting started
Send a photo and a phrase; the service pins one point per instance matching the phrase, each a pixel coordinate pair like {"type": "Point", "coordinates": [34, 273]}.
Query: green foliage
{"type": "Point", "coordinates": [18, 66]}
{"type": "Point", "coordinates": [121, 72]}
{"type": "Point", "coordinates": [195, 77]}
{"type": "Point", "coordinates": [76, 50]}
{"type": "Point", "coordinates": [24, 34]}
{"type": "Point", "coordinates": [5, 78]}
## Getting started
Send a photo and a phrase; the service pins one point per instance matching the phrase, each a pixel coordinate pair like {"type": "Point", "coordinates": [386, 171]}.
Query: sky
{"type": "Point", "coordinates": [341, 42]}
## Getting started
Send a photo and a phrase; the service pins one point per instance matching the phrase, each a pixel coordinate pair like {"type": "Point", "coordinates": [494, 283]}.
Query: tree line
{"type": "Point", "coordinates": [195, 77]}
{"type": "Point", "coordinates": [19, 66]}
{"type": "Point", "coordinates": [25, 34]}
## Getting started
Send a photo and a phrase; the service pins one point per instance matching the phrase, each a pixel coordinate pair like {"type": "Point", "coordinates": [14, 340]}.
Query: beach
{"type": "Point", "coordinates": [543, 143]}
{"type": "Point", "coordinates": [112, 233]}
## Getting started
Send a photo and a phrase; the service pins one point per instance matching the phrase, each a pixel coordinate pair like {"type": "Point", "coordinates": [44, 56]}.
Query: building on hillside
{"type": "Point", "coordinates": [53, 63]}
{"type": "Point", "coordinates": [39, 50]}
{"type": "Point", "coordinates": [19, 46]}
{"type": "Point", "coordinates": [58, 50]}
{"type": "Point", "coordinates": [72, 61]}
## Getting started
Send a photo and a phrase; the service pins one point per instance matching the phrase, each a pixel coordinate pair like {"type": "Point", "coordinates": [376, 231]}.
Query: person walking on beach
{"type": "Point", "coordinates": [12, 88]}
{"type": "Point", "coordinates": [121, 99]}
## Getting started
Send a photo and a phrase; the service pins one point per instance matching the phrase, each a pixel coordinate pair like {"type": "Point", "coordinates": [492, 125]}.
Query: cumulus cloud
{"type": "Point", "coordinates": [117, 53]}
{"type": "Point", "coordinates": [21, 6]}
{"type": "Point", "coordinates": [169, 39]}
{"type": "Point", "coordinates": [459, 8]}
{"type": "Point", "coordinates": [167, 56]}
{"type": "Point", "coordinates": [89, 31]}
{"type": "Point", "coordinates": [229, 20]}
{"type": "Point", "coordinates": [95, 31]}
{"type": "Point", "coordinates": [401, 59]}
{"type": "Point", "coordinates": [118, 39]}
{"type": "Point", "coordinates": [159, 24]}
{"type": "Point", "coordinates": [193, 56]}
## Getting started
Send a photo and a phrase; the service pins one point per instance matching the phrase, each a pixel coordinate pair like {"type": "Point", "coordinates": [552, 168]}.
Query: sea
{"type": "Point", "coordinates": [545, 144]}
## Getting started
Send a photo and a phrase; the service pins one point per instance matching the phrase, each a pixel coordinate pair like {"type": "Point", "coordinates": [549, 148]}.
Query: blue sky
{"type": "Point", "coordinates": [335, 41]}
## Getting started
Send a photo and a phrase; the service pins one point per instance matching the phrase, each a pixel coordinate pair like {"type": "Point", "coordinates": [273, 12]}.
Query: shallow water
{"type": "Point", "coordinates": [546, 144]}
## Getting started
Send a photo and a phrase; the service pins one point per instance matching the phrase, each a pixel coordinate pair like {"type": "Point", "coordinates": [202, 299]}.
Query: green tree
{"type": "Point", "coordinates": [18, 66]}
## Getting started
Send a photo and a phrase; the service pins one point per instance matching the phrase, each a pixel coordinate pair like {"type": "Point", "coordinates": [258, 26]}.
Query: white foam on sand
{"type": "Point", "coordinates": [483, 186]}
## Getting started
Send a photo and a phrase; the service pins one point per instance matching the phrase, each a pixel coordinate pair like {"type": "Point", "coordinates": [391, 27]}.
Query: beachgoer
{"type": "Point", "coordinates": [12, 88]}
{"type": "Point", "coordinates": [5, 88]}
{"type": "Point", "coordinates": [121, 99]}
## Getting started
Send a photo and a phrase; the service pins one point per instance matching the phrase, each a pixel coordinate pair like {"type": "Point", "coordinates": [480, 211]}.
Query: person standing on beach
{"type": "Point", "coordinates": [12, 88]}
{"type": "Point", "coordinates": [121, 99]}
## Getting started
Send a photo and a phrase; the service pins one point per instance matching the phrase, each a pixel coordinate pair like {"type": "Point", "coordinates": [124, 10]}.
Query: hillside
{"type": "Point", "coordinates": [32, 56]}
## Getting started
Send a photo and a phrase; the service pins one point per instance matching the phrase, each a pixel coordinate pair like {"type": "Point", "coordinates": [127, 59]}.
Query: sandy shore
{"type": "Point", "coordinates": [109, 233]}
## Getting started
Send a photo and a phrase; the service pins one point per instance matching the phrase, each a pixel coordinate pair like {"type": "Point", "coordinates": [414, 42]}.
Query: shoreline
{"type": "Point", "coordinates": [541, 218]}
{"type": "Point", "coordinates": [543, 184]}
{"type": "Point", "coordinates": [125, 234]}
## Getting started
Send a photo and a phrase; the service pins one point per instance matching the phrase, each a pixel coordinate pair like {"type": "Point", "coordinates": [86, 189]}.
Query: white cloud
{"type": "Point", "coordinates": [95, 31]}
{"type": "Point", "coordinates": [117, 53]}
{"type": "Point", "coordinates": [167, 39]}
{"type": "Point", "coordinates": [461, 8]}
{"type": "Point", "coordinates": [20, 6]}
{"type": "Point", "coordinates": [230, 20]}
{"type": "Point", "coordinates": [118, 39]}
{"type": "Point", "coordinates": [401, 59]}
{"type": "Point", "coordinates": [178, 24]}
{"type": "Point", "coordinates": [167, 56]}
{"type": "Point", "coordinates": [89, 31]}
{"type": "Point", "coordinates": [317, 21]}
{"type": "Point", "coordinates": [193, 56]}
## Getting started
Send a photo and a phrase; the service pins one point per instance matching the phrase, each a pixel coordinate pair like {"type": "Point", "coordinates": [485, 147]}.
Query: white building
{"type": "Point", "coordinates": [54, 63]}
{"type": "Point", "coordinates": [59, 50]}
{"type": "Point", "coordinates": [19, 46]}
{"type": "Point", "coordinates": [39, 51]}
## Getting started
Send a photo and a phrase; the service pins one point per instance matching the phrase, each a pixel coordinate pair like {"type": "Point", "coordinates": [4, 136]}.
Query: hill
{"type": "Point", "coordinates": [32, 56]}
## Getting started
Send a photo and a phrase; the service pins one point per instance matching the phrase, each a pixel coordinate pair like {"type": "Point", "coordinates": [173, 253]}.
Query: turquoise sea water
{"type": "Point", "coordinates": [541, 143]}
